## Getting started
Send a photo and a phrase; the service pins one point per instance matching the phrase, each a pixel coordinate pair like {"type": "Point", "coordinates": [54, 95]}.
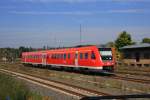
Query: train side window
{"type": "Point", "coordinates": [64, 56]}
{"type": "Point", "coordinates": [44, 56]}
{"type": "Point", "coordinates": [93, 55]}
{"type": "Point", "coordinates": [86, 55]}
{"type": "Point", "coordinates": [61, 56]}
{"type": "Point", "coordinates": [81, 55]}
{"type": "Point", "coordinates": [56, 56]}
{"type": "Point", "coordinates": [53, 56]}
{"type": "Point", "coordinates": [68, 55]}
{"type": "Point", "coordinates": [49, 56]}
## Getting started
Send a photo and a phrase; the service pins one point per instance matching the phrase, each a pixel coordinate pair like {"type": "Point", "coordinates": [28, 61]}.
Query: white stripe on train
{"type": "Point", "coordinates": [93, 67]}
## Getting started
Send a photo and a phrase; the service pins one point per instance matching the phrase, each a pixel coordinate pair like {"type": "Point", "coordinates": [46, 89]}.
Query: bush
{"type": "Point", "coordinates": [13, 89]}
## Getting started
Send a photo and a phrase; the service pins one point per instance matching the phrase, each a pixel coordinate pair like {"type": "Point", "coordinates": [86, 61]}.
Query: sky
{"type": "Point", "coordinates": [56, 23]}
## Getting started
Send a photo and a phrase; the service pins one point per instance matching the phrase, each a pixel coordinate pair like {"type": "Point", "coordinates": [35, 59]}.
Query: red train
{"type": "Point", "coordinates": [88, 57]}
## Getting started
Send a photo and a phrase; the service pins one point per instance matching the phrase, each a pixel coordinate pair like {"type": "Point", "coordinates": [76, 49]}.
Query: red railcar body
{"type": "Point", "coordinates": [89, 57]}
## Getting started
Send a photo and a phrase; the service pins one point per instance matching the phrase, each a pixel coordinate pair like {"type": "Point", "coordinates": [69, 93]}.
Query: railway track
{"type": "Point", "coordinates": [118, 77]}
{"type": "Point", "coordinates": [143, 81]}
{"type": "Point", "coordinates": [146, 74]}
{"type": "Point", "coordinates": [65, 88]}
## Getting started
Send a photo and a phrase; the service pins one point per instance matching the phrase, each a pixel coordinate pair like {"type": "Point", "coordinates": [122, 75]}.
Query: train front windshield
{"type": "Point", "coordinates": [106, 53]}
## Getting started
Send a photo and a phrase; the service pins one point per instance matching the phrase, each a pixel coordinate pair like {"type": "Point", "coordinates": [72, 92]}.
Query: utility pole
{"type": "Point", "coordinates": [80, 34]}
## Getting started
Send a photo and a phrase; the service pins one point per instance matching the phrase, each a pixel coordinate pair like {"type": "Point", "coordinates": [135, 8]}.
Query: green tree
{"type": "Point", "coordinates": [123, 39]}
{"type": "Point", "coordinates": [146, 40]}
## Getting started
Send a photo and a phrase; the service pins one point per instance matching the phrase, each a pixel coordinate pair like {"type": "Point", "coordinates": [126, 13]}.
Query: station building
{"type": "Point", "coordinates": [136, 55]}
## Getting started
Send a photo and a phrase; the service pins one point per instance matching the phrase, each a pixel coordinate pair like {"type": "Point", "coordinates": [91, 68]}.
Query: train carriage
{"type": "Point", "coordinates": [89, 57]}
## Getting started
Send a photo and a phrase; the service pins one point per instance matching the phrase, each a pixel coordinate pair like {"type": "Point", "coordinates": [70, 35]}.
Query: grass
{"type": "Point", "coordinates": [13, 89]}
{"type": "Point", "coordinates": [79, 79]}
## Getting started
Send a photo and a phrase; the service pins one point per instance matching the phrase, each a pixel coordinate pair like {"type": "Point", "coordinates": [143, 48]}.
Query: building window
{"type": "Point", "coordinates": [127, 56]}
{"type": "Point", "coordinates": [146, 55]}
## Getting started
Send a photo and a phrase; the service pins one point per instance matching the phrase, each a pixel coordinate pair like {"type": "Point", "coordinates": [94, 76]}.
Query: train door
{"type": "Point", "coordinates": [76, 58]}
{"type": "Point", "coordinates": [44, 57]}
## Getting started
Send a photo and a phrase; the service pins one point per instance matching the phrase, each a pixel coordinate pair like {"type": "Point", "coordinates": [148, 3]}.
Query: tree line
{"type": "Point", "coordinates": [11, 54]}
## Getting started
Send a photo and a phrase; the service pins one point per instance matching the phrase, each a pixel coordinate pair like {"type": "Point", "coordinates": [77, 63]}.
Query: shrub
{"type": "Point", "coordinates": [13, 89]}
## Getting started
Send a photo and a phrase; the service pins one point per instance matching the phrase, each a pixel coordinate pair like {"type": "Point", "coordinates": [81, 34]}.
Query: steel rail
{"type": "Point", "coordinates": [143, 81]}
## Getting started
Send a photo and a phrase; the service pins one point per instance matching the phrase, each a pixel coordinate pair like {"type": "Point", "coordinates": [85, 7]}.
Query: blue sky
{"type": "Point", "coordinates": [57, 22]}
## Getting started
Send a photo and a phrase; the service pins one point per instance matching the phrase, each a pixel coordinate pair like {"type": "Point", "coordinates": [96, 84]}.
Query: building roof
{"type": "Point", "coordinates": [142, 45]}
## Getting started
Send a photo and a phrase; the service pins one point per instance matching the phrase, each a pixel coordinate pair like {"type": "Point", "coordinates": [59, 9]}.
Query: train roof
{"type": "Point", "coordinates": [62, 49]}
{"type": "Point", "coordinates": [82, 47]}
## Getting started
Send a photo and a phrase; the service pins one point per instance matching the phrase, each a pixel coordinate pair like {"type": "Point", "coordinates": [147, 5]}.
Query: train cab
{"type": "Point", "coordinates": [107, 58]}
